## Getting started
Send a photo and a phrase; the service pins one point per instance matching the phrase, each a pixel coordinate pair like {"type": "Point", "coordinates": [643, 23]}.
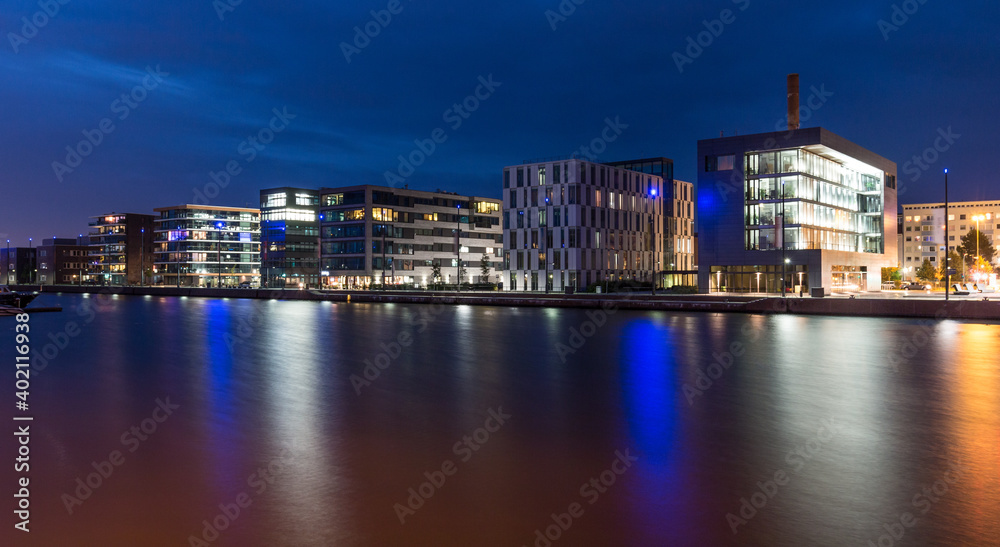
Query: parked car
{"type": "Point", "coordinates": [245, 285]}
{"type": "Point", "coordinates": [914, 286]}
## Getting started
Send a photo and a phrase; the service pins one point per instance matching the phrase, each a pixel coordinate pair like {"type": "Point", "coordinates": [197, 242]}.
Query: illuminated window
{"type": "Point", "coordinates": [333, 199]}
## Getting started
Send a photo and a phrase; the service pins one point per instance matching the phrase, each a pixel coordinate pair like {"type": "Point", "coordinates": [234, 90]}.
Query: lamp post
{"type": "Point", "coordinates": [758, 282]}
{"type": "Point", "coordinates": [947, 228]}
{"type": "Point", "coordinates": [458, 246]}
{"type": "Point", "coordinates": [219, 225]}
{"type": "Point", "coordinates": [383, 257]}
{"type": "Point", "coordinates": [784, 272]}
{"type": "Point", "coordinates": [142, 257]}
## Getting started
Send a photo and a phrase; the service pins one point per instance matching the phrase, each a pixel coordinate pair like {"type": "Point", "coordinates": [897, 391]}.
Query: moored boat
{"type": "Point", "coordinates": [16, 299]}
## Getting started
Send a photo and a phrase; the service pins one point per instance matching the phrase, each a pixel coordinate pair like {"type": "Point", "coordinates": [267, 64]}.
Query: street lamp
{"type": "Point", "coordinates": [784, 271]}
{"type": "Point", "coordinates": [458, 245]}
{"type": "Point", "coordinates": [758, 282]}
{"type": "Point", "coordinates": [142, 257]}
{"type": "Point", "coordinates": [219, 225]}
{"type": "Point", "coordinates": [947, 228]}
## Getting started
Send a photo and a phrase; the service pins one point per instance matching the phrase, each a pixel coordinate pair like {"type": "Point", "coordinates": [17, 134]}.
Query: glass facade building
{"type": "Point", "coordinates": [794, 210]}
{"type": "Point", "coordinates": [396, 236]}
{"type": "Point", "coordinates": [289, 233]}
{"type": "Point", "coordinates": [207, 246]}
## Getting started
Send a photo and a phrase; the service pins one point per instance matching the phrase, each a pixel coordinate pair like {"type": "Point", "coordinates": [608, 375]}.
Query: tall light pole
{"type": "Point", "coordinates": [219, 225]}
{"type": "Point", "coordinates": [458, 245]}
{"type": "Point", "coordinates": [383, 256]}
{"type": "Point", "coordinates": [947, 228]}
{"type": "Point", "coordinates": [142, 257]}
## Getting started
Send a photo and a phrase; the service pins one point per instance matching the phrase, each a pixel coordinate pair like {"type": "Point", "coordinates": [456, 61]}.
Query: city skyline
{"type": "Point", "coordinates": [341, 107]}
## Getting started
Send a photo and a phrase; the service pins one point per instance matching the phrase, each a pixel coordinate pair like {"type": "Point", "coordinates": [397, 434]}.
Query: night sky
{"type": "Point", "coordinates": [891, 88]}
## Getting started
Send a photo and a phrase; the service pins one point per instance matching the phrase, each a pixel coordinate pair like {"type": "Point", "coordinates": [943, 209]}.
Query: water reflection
{"type": "Point", "coordinates": [255, 377]}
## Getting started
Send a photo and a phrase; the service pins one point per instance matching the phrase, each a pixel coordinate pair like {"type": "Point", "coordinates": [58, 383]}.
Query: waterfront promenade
{"type": "Point", "coordinates": [894, 304]}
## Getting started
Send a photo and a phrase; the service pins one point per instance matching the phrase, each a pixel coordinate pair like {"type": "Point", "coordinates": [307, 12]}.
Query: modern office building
{"type": "Point", "coordinates": [572, 223]}
{"type": "Point", "coordinates": [375, 234]}
{"type": "Point", "coordinates": [17, 265]}
{"type": "Point", "coordinates": [794, 210]}
{"type": "Point", "coordinates": [289, 237]}
{"type": "Point", "coordinates": [121, 248]}
{"type": "Point", "coordinates": [63, 261]}
{"type": "Point", "coordinates": [924, 230]}
{"type": "Point", "coordinates": [207, 246]}
{"type": "Point", "coordinates": [678, 267]}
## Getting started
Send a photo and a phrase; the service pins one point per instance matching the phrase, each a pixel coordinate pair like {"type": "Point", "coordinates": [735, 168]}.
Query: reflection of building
{"type": "Point", "coordinates": [289, 236]}
{"type": "Point", "coordinates": [573, 223]}
{"type": "Point", "coordinates": [17, 265]}
{"type": "Point", "coordinates": [63, 261]}
{"type": "Point", "coordinates": [121, 248]}
{"type": "Point", "coordinates": [207, 246]}
{"type": "Point", "coordinates": [371, 233]}
{"type": "Point", "coordinates": [796, 209]}
{"type": "Point", "coordinates": [678, 265]}
{"type": "Point", "coordinates": [923, 230]}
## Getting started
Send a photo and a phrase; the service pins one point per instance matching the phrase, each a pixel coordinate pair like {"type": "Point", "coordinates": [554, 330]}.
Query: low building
{"type": "Point", "coordinates": [207, 246]}
{"type": "Point", "coordinates": [924, 230]}
{"type": "Point", "coordinates": [571, 223]}
{"type": "Point", "coordinates": [289, 234]}
{"type": "Point", "coordinates": [63, 261]}
{"type": "Point", "coordinates": [122, 248]}
{"type": "Point", "coordinates": [396, 236]}
{"type": "Point", "coordinates": [17, 265]}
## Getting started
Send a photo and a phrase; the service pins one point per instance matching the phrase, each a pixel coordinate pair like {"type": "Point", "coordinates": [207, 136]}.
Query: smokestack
{"type": "Point", "coordinates": [793, 102]}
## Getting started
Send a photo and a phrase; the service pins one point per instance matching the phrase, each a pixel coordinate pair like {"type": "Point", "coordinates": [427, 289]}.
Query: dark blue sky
{"type": "Point", "coordinates": [221, 79]}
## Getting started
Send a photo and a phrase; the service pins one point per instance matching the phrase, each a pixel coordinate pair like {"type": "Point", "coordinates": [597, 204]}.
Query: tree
{"type": "Point", "coordinates": [969, 247]}
{"type": "Point", "coordinates": [484, 268]}
{"type": "Point", "coordinates": [891, 274]}
{"type": "Point", "coordinates": [435, 272]}
{"type": "Point", "coordinates": [955, 263]}
{"type": "Point", "coordinates": [926, 272]}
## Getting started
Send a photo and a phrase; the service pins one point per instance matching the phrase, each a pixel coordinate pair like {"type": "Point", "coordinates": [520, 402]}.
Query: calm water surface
{"type": "Point", "coordinates": [705, 429]}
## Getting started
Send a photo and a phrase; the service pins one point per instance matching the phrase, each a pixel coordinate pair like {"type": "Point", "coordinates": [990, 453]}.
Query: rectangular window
{"type": "Point", "coordinates": [520, 177]}
{"type": "Point", "coordinates": [541, 176]}
{"type": "Point", "coordinates": [506, 178]}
